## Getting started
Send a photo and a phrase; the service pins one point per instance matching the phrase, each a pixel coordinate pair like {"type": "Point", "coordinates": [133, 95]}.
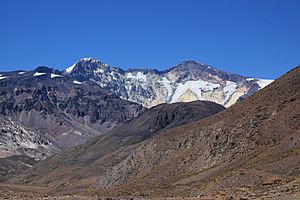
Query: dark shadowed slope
{"type": "Point", "coordinates": [85, 163]}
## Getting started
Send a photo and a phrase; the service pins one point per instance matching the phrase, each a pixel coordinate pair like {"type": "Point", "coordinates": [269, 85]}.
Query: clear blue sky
{"type": "Point", "coordinates": [258, 38]}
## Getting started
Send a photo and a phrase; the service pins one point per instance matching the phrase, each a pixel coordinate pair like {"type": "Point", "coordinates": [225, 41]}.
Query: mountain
{"type": "Point", "coordinates": [93, 158]}
{"type": "Point", "coordinates": [250, 151]}
{"type": "Point", "coordinates": [187, 81]}
{"type": "Point", "coordinates": [43, 112]}
{"type": "Point", "coordinates": [90, 98]}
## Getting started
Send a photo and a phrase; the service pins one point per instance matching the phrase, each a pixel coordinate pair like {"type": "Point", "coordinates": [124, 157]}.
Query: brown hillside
{"type": "Point", "coordinates": [81, 166]}
{"type": "Point", "coordinates": [249, 149]}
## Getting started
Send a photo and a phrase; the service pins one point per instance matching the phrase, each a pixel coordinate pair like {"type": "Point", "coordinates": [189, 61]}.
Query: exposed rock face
{"type": "Point", "coordinates": [21, 147]}
{"type": "Point", "coordinates": [187, 81]}
{"type": "Point", "coordinates": [59, 110]}
{"type": "Point", "coordinates": [15, 139]}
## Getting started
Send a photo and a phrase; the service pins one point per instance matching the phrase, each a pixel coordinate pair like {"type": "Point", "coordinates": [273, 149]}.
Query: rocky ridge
{"type": "Point", "coordinates": [57, 111]}
{"type": "Point", "coordinates": [187, 81]}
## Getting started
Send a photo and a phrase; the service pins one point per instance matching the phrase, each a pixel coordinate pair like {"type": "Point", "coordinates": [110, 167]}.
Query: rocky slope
{"type": "Point", "coordinates": [15, 139]}
{"type": "Point", "coordinates": [187, 81]}
{"type": "Point", "coordinates": [15, 164]}
{"type": "Point", "coordinates": [60, 112]}
{"type": "Point", "coordinates": [93, 158]}
{"type": "Point", "coordinates": [250, 150]}
{"type": "Point", "coordinates": [21, 147]}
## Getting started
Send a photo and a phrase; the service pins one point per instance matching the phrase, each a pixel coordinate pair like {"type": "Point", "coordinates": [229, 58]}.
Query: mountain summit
{"type": "Point", "coordinates": [185, 82]}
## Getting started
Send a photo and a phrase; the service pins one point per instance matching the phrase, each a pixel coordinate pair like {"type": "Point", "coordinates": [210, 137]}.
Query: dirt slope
{"type": "Point", "coordinates": [81, 166]}
{"type": "Point", "coordinates": [249, 149]}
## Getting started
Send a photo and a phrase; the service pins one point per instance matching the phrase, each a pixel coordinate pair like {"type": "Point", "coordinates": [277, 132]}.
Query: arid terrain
{"type": "Point", "coordinates": [248, 151]}
{"type": "Point", "coordinates": [149, 100]}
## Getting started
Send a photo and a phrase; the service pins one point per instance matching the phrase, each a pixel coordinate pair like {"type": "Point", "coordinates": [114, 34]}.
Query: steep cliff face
{"type": "Point", "coordinates": [185, 82]}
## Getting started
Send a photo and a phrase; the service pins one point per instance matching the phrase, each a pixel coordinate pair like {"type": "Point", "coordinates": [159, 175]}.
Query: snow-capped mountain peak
{"type": "Point", "coordinates": [186, 81]}
{"type": "Point", "coordinates": [70, 69]}
{"type": "Point", "coordinates": [86, 64]}
{"type": "Point", "coordinates": [89, 60]}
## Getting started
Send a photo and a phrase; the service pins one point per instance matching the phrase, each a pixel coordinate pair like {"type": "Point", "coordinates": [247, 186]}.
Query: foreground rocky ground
{"type": "Point", "coordinates": [290, 191]}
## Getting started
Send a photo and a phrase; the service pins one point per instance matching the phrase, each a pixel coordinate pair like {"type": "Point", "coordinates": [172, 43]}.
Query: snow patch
{"type": "Point", "coordinates": [229, 89]}
{"type": "Point", "coordinates": [73, 132]}
{"type": "Point", "coordinates": [30, 145]}
{"type": "Point", "coordinates": [77, 133]}
{"type": "Point", "coordinates": [55, 75]}
{"type": "Point", "coordinates": [70, 69]}
{"type": "Point", "coordinates": [197, 87]}
{"type": "Point", "coordinates": [38, 74]}
{"type": "Point", "coordinates": [113, 75]}
{"type": "Point", "coordinates": [264, 82]}
{"type": "Point", "coordinates": [2, 77]}
{"type": "Point", "coordinates": [250, 79]}
{"type": "Point", "coordinates": [88, 60]}
{"type": "Point", "coordinates": [168, 85]}
{"type": "Point", "coordinates": [138, 76]}
{"type": "Point", "coordinates": [21, 73]}
{"type": "Point", "coordinates": [99, 70]}
{"type": "Point", "coordinates": [26, 164]}
{"type": "Point", "coordinates": [77, 82]}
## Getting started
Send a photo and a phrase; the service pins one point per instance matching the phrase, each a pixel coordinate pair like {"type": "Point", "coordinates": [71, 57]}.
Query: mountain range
{"type": "Point", "coordinates": [61, 109]}
{"type": "Point", "coordinates": [185, 82]}
{"type": "Point", "coordinates": [250, 151]}
{"type": "Point", "coordinates": [43, 112]}
{"type": "Point", "coordinates": [190, 131]}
